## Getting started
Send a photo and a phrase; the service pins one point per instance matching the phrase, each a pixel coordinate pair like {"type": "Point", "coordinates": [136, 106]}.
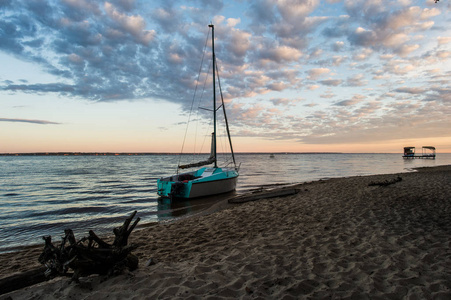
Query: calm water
{"type": "Point", "coordinates": [43, 195]}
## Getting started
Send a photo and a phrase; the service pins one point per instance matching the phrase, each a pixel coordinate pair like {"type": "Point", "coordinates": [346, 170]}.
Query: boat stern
{"type": "Point", "coordinates": [164, 187]}
{"type": "Point", "coordinates": [169, 188]}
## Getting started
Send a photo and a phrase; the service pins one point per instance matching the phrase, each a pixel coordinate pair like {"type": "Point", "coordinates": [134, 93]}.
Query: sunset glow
{"type": "Point", "coordinates": [297, 76]}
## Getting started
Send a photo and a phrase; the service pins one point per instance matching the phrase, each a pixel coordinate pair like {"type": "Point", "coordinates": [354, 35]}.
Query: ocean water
{"type": "Point", "coordinates": [43, 195]}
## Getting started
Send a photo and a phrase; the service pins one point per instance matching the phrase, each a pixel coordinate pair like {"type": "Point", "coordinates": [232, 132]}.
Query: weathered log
{"type": "Point", "coordinates": [105, 259]}
{"type": "Point", "coordinates": [95, 257]}
{"type": "Point", "coordinates": [122, 233]}
{"type": "Point", "coordinates": [95, 238]}
{"type": "Point", "coordinates": [22, 280]}
{"type": "Point", "coordinates": [264, 195]}
{"type": "Point", "coordinates": [386, 182]}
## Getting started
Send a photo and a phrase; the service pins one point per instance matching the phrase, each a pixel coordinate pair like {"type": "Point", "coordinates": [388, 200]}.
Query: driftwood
{"type": "Point", "coordinates": [90, 255]}
{"type": "Point", "coordinates": [386, 182]}
{"type": "Point", "coordinates": [18, 281]}
{"type": "Point", "coordinates": [81, 258]}
{"type": "Point", "coordinates": [264, 195]}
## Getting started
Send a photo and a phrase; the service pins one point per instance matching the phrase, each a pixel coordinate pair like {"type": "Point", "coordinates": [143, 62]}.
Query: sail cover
{"type": "Point", "coordinates": [210, 160]}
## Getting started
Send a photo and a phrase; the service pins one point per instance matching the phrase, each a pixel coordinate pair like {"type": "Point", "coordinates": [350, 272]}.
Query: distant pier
{"type": "Point", "coordinates": [427, 152]}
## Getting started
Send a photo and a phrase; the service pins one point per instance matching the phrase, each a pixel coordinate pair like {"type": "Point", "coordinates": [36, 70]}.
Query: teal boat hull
{"type": "Point", "coordinates": [200, 183]}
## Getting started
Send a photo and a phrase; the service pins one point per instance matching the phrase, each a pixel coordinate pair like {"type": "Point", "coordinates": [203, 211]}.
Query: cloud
{"type": "Point", "coordinates": [134, 25]}
{"type": "Point", "coordinates": [410, 90]}
{"type": "Point", "coordinates": [356, 80]}
{"type": "Point", "coordinates": [388, 27]}
{"type": "Point", "coordinates": [331, 82]}
{"type": "Point", "coordinates": [328, 95]}
{"type": "Point", "coordinates": [128, 50]}
{"type": "Point", "coordinates": [113, 51]}
{"type": "Point", "coordinates": [102, 51]}
{"type": "Point", "coordinates": [367, 126]}
{"type": "Point", "coordinates": [317, 72]}
{"type": "Point", "coordinates": [293, 10]}
{"type": "Point", "coordinates": [277, 86]}
{"type": "Point", "coordinates": [284, 101]}
{"type": "Point", "coordinates": [40, 88]}
{"type": "Point", "coordinates": [351, 102]}
{"type": "Point", "coordinates": [337, 46]}
{"type": "Point", "coordinates": [40, 122]}
{"type": "Point", "coordinates": [405, 50]}
{"type": "Point", "coordinates": [316, 53]}
{"type": "Point", "coordinates": [311, 105]}
{"type": "Point", "coordinates": [338, 60]}
{"type": "Point", "coordinates": [281, 54]}
{"type": "Point", "coordinates": [363, 54]}
{"type": "Point", "coordinates": [398, 67]}
{"type": "Point", "coordinates": [262, 13]}
{"type": "Point", "coordinates": [443, 40]}
{"type": "Point", "coordinates": [239, 43]}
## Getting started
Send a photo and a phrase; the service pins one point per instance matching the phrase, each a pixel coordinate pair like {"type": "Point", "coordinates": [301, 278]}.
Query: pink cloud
{"type": "Point", "coordinates": [282, 54]}
{"type": "Point", "coordinates": [317, 72]}
{"type": "Point", "coordinates": [135, 25]}
{"type": "Point", "coordinates": [443, 40]}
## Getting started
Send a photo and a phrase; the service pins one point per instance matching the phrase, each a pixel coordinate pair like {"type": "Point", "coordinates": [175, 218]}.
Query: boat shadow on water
{"type": "Point", "coordinates": [175, 209]}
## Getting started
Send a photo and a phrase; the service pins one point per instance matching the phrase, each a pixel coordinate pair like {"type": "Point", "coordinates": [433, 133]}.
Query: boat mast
{"type": "Point", "coordinates": [214, 90]}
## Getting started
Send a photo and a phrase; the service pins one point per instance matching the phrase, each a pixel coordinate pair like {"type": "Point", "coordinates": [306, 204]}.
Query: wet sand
{"type": "Point", "coordinates": [338, 238]}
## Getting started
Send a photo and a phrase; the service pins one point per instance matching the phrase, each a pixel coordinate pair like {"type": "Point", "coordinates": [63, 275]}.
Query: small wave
{"type": "Point", "coordinates": [125, 191]}
{"type": "Point", "coordinates": [257, 174]}
{"type": "Point", "coordinates": [90, 198]}
{"type": "Point", "coordinates": [89, 192]}
{"type": "Point", "coordinates": [110, 181]}
{"type": "Point", "coordinates": [86, 210]}
{"type": "Point", "coordinates": [11, 194]}
{"type": "Point", "coordinates": [63, 187]}
{"type": "Point", "coordinates": [81, 210]}
{"type": "Point", "coordinates": [150, 178]}
{"type": "Point", "coordinates": [145, 200]}
{"type": "Point", "coordinates": [96, 191]}
{"type": "Point", "coordinates": [62, 182]}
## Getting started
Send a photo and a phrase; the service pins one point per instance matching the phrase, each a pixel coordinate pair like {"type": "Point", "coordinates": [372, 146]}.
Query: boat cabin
{"type": "Point", "coordinates": [409, 151]}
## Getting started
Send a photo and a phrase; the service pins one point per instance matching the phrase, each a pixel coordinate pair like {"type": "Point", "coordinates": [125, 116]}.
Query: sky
{"type": "Point", "coordinates": [297, 76]}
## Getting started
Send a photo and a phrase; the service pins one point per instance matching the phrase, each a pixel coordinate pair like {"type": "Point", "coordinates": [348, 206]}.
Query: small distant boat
{"type": "Point", "coordinates": [427, 152]}
{"type": "Point", "coordinates": [271, 156]}
{"type": "Point", "coordinates": [409, 152]}
{"type": "Point", "coordinates": [205, 181]}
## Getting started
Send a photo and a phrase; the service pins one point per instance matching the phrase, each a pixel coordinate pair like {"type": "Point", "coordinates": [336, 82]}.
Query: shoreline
{"type": "Point", "coordinates": [338, 237]}
{"type": "Point", "coordinates": [223, 203]}
{"type": "Point", "coordinates": [211, 208]}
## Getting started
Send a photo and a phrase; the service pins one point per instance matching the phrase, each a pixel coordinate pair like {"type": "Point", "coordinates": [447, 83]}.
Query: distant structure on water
{"type": "Point", "coordinates": [427, 152]}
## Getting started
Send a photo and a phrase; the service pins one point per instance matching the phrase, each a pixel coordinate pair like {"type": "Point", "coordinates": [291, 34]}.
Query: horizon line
{"type": "Point", "coordinates": [63, 153]}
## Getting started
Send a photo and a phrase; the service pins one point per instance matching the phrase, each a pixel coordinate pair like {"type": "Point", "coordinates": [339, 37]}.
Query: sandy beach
{"type": "Point", "coordinates": [339, 238]}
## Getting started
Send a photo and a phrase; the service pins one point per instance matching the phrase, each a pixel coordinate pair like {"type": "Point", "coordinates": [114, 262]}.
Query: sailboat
{"type": "Point", "coordinates": [205, 181]}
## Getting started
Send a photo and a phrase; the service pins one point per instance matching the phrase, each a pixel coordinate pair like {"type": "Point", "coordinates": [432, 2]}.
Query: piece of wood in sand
{"type": "Point", "coordinates": [24, 279]}
{"type": "Point", "coordinates": [90, 255]}
{"type": "Point", "coordinates": [264, 195]}
{"type": "Point", "coordinates": [386, 182]}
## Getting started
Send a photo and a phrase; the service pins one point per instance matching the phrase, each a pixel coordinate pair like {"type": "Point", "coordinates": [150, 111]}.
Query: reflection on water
{"type": "Point", "coordinates": [168, 209]}
{"type": "Point", "coordinates": [174, 209]}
